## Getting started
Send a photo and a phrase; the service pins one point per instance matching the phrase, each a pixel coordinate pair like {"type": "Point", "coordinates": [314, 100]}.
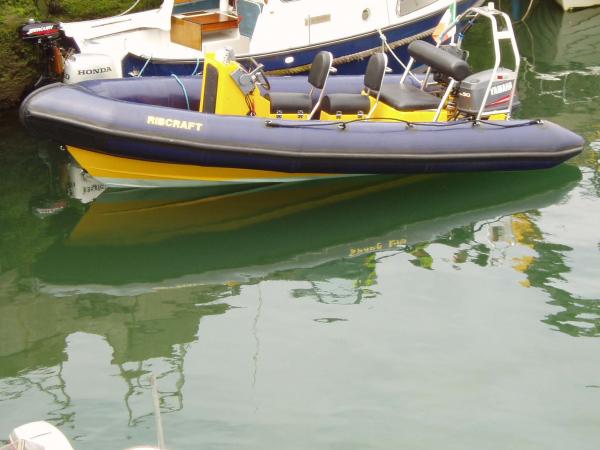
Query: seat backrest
{"type": "Point", "coordinates": [439, 60]}
{"type": "Point", "coordinates": [375, 71]}
{"type": "Point", "coordinates": [319, 71]}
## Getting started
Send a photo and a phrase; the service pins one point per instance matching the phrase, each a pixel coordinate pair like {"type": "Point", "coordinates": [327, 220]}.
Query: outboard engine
{"type": "Point", "coordinates": [40, 31]}
{"type": "Point", "coordinates": [45, 36]}
{"type": "Point", "coordinates": [88, 66]}
{"type": "Point", "coordinates": [473, 88]}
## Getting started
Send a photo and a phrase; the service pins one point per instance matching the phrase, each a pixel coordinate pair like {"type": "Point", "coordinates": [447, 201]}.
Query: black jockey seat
{"type": "Point", "coordinates": [406, 97]}
{"type": "Point", "coordinates": [299, 103]}
{"type": "Point", "coordinates": [343, 103]}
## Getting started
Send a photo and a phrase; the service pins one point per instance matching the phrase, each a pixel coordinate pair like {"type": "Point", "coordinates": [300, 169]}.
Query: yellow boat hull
{"type": "Point", "coordinates": [119, 171]}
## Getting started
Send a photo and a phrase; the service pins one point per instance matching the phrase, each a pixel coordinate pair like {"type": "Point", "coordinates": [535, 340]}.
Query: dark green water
{"type": "Point", "coordinates": [450, 311]}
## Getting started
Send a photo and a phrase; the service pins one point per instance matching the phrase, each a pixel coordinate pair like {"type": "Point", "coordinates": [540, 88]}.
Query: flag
{"type": "Point", "coordinates": [448, 17]}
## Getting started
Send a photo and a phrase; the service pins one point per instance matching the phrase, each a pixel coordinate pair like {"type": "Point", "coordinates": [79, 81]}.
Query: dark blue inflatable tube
{"type": "Point", "coordinates": [113, 117]}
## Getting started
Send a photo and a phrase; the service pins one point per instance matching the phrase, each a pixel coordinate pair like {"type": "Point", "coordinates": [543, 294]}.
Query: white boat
{"type": "Point", "coordinates": [284, 35]}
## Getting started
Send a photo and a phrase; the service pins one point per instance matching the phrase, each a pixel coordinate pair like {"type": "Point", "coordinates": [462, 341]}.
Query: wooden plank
{"type": "Point", "coordinates": [214, 22]}
{"type": "Point", "coordinates": [186, 33]}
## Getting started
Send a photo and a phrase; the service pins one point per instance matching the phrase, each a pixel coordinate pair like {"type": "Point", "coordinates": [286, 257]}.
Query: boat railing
{"type": "Point", "coordinates": [502, 29]}
{"type": "Point", "coordinates": [498, 35]}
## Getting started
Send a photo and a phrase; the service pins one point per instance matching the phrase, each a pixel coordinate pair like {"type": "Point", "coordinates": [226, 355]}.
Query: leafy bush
{"type": "Point", "coordinates": [20, 70]}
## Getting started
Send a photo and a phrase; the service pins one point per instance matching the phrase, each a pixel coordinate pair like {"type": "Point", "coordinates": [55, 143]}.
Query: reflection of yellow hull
{"type": "Point", "coordinates": [147, 220]}
{"type": "Point", "coordinates": [119, 171]}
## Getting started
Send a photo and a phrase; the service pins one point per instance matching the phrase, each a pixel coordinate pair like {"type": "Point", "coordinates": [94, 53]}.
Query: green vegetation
{"type": "Point", "coordinates": [20, 69]}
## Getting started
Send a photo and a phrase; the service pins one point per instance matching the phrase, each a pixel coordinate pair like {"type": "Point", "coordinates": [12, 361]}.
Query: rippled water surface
{"type": "Point", "coordinates": [422, 312]}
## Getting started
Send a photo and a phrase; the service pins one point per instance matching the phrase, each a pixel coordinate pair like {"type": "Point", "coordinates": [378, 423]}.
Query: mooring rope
{"type": "Point", "coordinates": [128, 10]}
{"type": "Point", "coordinates": [387, 46]}
{"type": "Point", "coordinates": [354, 56]}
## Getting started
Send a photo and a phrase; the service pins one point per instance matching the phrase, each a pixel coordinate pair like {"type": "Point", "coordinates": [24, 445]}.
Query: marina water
{"type": "Point", "coordinates": [423, 312]}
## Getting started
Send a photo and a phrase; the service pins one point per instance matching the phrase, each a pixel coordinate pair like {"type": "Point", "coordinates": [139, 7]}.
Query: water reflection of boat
{"type": "Point", "coordinates": [562, 71]}
{"type": "Point", "coordinates": [555, 38]}
{"type": "Point", "coordinates": [144, 243]}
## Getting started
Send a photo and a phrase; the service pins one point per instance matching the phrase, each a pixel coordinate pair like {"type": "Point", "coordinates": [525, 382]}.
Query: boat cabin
{"type": "Point", "coordinates": [188, 29]}
{"type": "Point", "coordinates": [255, 26]}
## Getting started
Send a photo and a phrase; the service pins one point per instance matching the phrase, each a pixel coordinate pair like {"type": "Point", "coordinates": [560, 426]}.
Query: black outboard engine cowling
{"type": "Point", "coordinates": [46, 37]}
{"type": "Point", "coordinates": [40, 31]}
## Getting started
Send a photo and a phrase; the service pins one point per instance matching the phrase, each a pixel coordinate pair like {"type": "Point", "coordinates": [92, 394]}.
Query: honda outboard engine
{"type": "Point", "coordinates": [88, 66]}
{"type": "Point", "coordinates": [473, 88]}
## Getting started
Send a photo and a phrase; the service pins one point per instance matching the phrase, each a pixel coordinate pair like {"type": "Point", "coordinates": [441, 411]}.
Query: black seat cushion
{"type": "Point", "coordinates": [346, 103]}
{"type": "Point", "coordinates": [289, 102]}
{"type": "Point", "coordinates": [405, 97]}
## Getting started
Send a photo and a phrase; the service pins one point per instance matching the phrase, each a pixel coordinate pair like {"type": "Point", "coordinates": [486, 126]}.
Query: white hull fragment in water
{"type": "Point", "coordinates": [38, 436]}
{"type": "Point", "coordinates": [572, 4]}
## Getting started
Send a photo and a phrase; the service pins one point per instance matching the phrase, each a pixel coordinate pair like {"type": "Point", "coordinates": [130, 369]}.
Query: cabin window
{"type": "Point", "coordinates": [248, 11]}
{"type": "Point", "coordinates": [404, 7]}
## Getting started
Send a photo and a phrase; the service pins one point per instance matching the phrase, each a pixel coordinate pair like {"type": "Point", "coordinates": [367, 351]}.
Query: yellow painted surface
{"type": "Point", "coordinates": [230, 99]}
{"type": "Point", "coordinates": [101, 165]}
{"type": "Point", "coordinates": [342, 118]}
{"type": "Point", "coordinates": [384, 111]}
{"type": "Point", "coordinates": [142, 221]}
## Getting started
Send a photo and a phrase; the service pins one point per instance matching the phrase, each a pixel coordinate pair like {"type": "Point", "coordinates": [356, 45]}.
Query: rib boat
{"type": "Point", "coordinates": [239, 126]}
